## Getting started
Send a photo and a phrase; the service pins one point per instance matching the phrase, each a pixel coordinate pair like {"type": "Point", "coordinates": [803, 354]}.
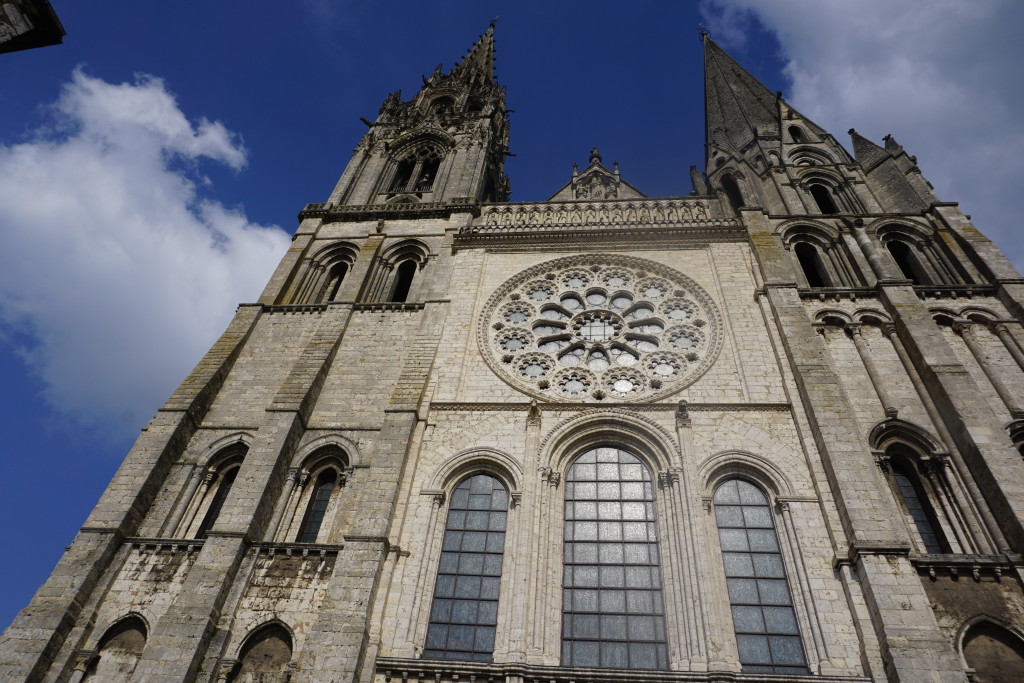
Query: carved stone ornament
{"type": "Point", "coordinates": [600, 328]}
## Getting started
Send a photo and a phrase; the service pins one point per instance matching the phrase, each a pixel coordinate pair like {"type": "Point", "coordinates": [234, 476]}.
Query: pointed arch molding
{"type": "Point", "coordinates": [210, 455]}
{"type": "Point", "coordinates": [609, 427]}
{"type": "Point", "coordinates": [745, 464]}
{"type": "Point", "coordinates": [307, 454]}
{"type": "Point", "coordinates": [475, 460]}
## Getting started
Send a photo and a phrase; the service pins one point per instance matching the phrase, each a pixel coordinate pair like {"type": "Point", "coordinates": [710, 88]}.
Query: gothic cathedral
{"type": "Point", "coordinates": [768, 429]}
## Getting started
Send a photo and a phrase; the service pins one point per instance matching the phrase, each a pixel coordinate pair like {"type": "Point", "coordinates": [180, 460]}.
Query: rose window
{"type": "Point", "coordinates": [600, 328]}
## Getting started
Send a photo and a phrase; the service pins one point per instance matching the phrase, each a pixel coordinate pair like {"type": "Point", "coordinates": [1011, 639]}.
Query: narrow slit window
{"type": "Point", "coordinates": [403, 174]}
{"type": "Point", "coordinates": [767, 635]}
{"type": "Point", "coordinates": [906, 260]}
{"type": "Point", "coordinates": [612, 606]}
{"type": "Point", "coordinates": [338, 273]}
{"type": "Point", "coordinates": [227, 480]}
{"type": "Point", "coordinates": [797, 134]}
{"type": "Point", "coordinates": [318, 502]}
{"type": "Point", "coordinates": [732, 192]}
{"type": "Point", "coordinates": [464, 612]}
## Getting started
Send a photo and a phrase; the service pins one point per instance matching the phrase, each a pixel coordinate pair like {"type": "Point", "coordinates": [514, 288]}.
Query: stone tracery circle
{"type": "Point", "coordinates": [600, 328]}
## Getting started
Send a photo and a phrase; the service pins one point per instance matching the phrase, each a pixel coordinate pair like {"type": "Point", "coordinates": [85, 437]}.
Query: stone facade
{"type": "Point", "coordinates": [813, 329]}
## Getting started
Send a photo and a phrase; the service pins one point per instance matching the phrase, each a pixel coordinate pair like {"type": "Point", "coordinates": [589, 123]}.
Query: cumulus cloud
{"type": "Point", "coordinates": [115, 268]}
{"type": "Point", "coordinates": [942, 76]}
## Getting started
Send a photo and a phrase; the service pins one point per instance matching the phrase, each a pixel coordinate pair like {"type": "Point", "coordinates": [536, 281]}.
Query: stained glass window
{"type": "Point", "coordinates": [613, 613]}
{"type": "Point", "coordinates": [464, 612]}
{"type": "Point", "coordinates": [762, 610]}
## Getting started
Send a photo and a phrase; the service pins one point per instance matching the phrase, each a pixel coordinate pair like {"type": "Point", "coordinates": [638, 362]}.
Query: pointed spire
{"type": "Point", "coordinates": [479, 59]}
{"type": "Point", "coordinates": [736, 104]}
{"type": "Point", "coordinates": [865, 151]}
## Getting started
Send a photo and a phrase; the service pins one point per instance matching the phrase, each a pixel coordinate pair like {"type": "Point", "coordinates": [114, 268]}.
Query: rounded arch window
{"type": "Point", "coordinates": [797, 134]}
{"type": "Point", "coordinates": [823, 198]}
{"type": "Point", "coordinates": [265, 655]}
{"type": "Point", "coordinates": [994, 653]}
{"type": "Point", "coordinates": [118, 651]}
{"type": "Point", "coordinates": [600, 327]}
{"type": "Point", "coordinates": [613, 609]}
{"type": "Point", "coordinates": [732, 192]}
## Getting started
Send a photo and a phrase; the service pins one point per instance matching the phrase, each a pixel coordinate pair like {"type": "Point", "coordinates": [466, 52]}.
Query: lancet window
{"type": "Point", "coordinates": [416, 171]}
{"type": "Point", "coordinates": [613, 611]}
{"type": "Point", "coordinates": [265, 656]}
{"type": "Point", "coordinates": [767, 635]}
{"type": "Point", "coordinates": [118, 652]}
{"type": "Point", "coordinates": [732, 192]}
{"type": "Point", "coordinates": [464, 612]}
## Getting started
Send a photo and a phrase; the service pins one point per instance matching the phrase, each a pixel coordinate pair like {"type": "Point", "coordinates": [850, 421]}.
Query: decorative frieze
{"type": "Point", "coordinates": [514, 217]}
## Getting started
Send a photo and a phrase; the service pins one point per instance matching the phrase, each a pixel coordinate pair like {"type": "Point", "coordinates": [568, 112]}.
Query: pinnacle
{"type": "Point", "coordinates": [480, 58]}
{"type": "Point", "coordinates": [865, 151]}
{"type": "Point", "coordinates": [736, 103]}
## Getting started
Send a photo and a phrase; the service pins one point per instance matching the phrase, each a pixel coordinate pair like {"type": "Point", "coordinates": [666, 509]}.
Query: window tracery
{"type": "Point", "coordinates": [600, 327]}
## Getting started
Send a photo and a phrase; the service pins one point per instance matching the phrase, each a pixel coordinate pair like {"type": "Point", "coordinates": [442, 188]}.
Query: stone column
{"type": "Point", "coordinates": [285, 502]}
{"type": "Point", "coordinates": [888, 407]}
{"type": "Point", "coordinates": [187, 501]}
{"type": "Point", "coordinates": [881, 265]}
{"type": "Point", "coordinates": [523, 575]}
{"type": "Point", "coordinates": [1001, 331]}
{"type": "Point", "coordinates": [195, 504]}
{"type": "Point", "coordinates": [963, 328]}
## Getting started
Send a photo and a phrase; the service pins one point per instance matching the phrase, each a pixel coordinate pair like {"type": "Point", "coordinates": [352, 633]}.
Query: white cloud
{"type": "Point", "coordinates": [119, 273]}
{"type": "Point", "coordinates": [942, 76]}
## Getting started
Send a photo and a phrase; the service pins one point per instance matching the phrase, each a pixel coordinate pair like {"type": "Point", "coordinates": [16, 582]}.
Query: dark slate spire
{"type": "Point", "coordinates": [479, 61]}
{"type": "Point", "coordinates": [867, 153]}
{"type": "Point", "coordinates": [736, 104]}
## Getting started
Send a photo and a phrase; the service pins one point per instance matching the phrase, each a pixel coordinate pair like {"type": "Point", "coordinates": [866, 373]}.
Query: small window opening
{"type": "Point", "coordinates": [907, 261]}
{"type": "Point", "coordinates": [428, 172]}
{"type": "Point", "coordinates": [920, 511]}
{"type": "Point", "coordinates": [810, 262]}
{"type": "Point", "coordinates": [265, 656]}
{"type": "Point", "coordinates": [797, 134]}
{"type": "Point", "coordinates": [317, 509]}
{"type": "Point", "coordinates": [338, 273]}
{"type": "Point", "coordinates": [475, 105]}
{"type": "Point", "coordinates": [223, 489]}
{"type": "Point", "coordinates": [823, 198]}
{"type": "Point", "coordinates": [404, 274]}
{"type": "Point", "coordinates": [732, 192]}
{"type": "Point", "coordinates": [403, 173]}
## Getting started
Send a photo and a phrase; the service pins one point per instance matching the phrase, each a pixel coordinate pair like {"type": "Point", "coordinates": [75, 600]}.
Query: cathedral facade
{"type": "Point", "coordinates": [765, 430]}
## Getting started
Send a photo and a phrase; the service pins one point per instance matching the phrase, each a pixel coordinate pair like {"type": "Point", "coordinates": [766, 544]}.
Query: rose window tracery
{"type": "Point", "coordinates": [600, 328]}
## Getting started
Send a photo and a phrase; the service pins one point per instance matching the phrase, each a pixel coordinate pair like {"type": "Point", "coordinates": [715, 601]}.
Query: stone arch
{"type": "Point", "coordinates": [978, 314]}
{"type": "Point", "coordinates": [833, 316]}
{"type": "Point", "coordinates": [119, 649]}
{"type": "Point", "coordinates": [871, 316]}
{"type": "Point", "coordinates": [992, 648]}
{"type": "Point", "coordinates": [326, 270]}
{"type": "Point", "coordinates": [309, 453]}
{"type": "Point", "coordinates": [809, 156]}
{"type": "Point", "coordinates": [265, 654]}
{"type": "Point", "coordinates": [643, 437]}
{"type": "Point", "coordinates": [498, 464]}
{"type": "Point", "coordinates": [745, 465]}
{"type": "Point", "coordinates": [808, 231]}
{"type": "Point", "coordinates": [895, 431]}
{"type": "Point", "coordinates": [217, 452]}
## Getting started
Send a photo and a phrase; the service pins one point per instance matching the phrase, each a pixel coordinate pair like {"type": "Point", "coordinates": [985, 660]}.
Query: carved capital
{"type": "Point", "coordinates": [883, 461]}
{"type": "Point", "coordinates": [961, 327]}
{"type": "Point", "coordinates": [550, 477]}
{"type": "Point", "coordinates": [225, 669]}
{"type": "Point", "coordinates": [998, 328]}
{"type": "Point", "coordinates": [84, 659]}
{"type": "Point", "coordinates": [683, 415]}
{"type": "Point", "coordinates": [782, 506]}
{"type": "Point", "coordinates": [853, 329]}
{"type": "Point", "coordinates": [888, 329]}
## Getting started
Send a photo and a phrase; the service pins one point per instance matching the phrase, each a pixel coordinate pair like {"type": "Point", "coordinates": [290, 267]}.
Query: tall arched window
{"type": "Point", "coordinates": [317, 508]}
{"type": "Point", "coordinates": [334, 280]}
{"type": "Point", "coordinates": [417, 170]}
{"type": "Point", "coordinates": [995, 654]}
{"type": "Point", "coordinates": [265, 656]}
{"type": "Point", "coordinates": [797, 134]}
{"type": "Point", "coordinates": [464, 613]}
{"type": "Point", "coordinates": [767, 635]}
{"type": "Point", "coordinates": [907, 260]}
{"type": "Point", "coordinates": [823, 198]}
{"type": "Point", "coordinates": [732, 192]}
{"type": "Point", "coordinates": [613, 612]}
{"type": "Point", "coordinates": [810, 262]}
{"type": "Point", "coordinates": [404, 274]}
{"type": "Point", "coordinates": [223, 483]}
{"type": "Point", "coordinates": [118, 651]}
{"type": "Point", "coordinates": [917, 506]}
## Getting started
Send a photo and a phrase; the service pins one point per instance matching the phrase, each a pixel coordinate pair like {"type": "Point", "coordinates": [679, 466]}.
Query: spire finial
{"type": "Point", "coordinates": [595, 156]}
{"type": "Point", "coordinates": [494, 21]}
{"type": "Point", "coordinates": [704, 32]}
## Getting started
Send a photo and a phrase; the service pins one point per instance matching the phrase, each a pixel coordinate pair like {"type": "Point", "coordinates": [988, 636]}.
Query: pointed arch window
{"type": "Point", "coordinates": [918, 507]}
{"type": "Point", "coordinates": [810, 262]}
{"type": "Point", "coordinates": [994, 653]}
{"type": "Point", "coordinates": [797, 134]}
{"type": "Point", "coordinates": [824, 199]}
{"type": "Point", "coordinates": [265, 656]}
{"type": "Point", "coordinates": [767, 635]}
{"type": "Point", "coordinates": [464, 612]}
{"type": "Point", "coordinates": [118, 651]}
{"type": "Point", "coordinates": [416, 171]}
{"type": "Point", "coordinates": [317, 508]}
{"type": "Point", "coordinates": [732, 192]}
{"type": "Point", "coordinates": [613, 611]}
{"type": "Point", "coordinates": [225, 480]}
{"type": "Point", "coordinates": [334, 280]}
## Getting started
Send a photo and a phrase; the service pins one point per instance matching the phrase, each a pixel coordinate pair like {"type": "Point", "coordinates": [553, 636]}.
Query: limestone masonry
{"type": "Point", "coordinates": [769, 430]}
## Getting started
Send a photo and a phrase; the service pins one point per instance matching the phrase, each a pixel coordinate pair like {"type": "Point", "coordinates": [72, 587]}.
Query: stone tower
{"type": "Point", "coordinates": [769, 427]}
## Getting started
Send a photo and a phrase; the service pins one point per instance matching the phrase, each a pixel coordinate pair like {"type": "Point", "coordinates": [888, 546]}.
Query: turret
{"type": "Point", "coordinates": [449, 142]}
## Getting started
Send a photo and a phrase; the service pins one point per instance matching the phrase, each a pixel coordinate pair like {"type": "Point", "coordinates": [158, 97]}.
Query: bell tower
{"type": "Point", "coordinates": [449, 142]}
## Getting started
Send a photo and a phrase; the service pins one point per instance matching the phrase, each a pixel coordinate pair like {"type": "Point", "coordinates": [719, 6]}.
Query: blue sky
{"type": "Point", "coordinates": [152, 166]}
